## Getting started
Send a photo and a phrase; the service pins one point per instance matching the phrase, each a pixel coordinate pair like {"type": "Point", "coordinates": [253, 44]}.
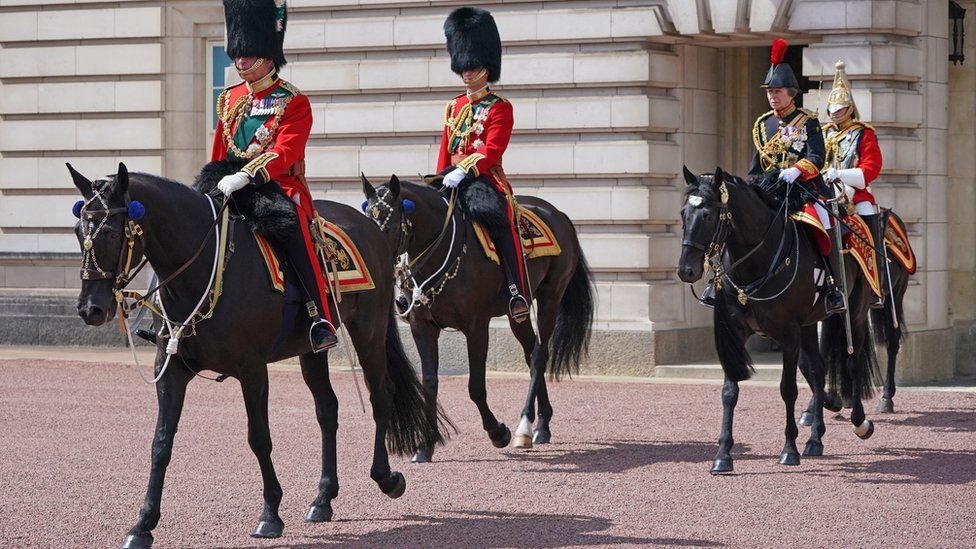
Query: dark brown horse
{"type": "Point", "coordinates": [452, 284]}
{"type": "Point", "coordinates": [246, 331]}
{"type": "Point", "coordinates": [767, 286]}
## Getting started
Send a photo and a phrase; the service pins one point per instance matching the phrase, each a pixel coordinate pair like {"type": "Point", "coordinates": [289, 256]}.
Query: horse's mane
{"type": "Point", "coordinates": [766, 186]}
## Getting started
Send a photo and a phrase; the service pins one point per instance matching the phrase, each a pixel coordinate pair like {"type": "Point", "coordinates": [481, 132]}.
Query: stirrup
{"type": "Point", "coordinates": [148, 335]}
{"type": "Point", "coordinates": [834, 300]}
{"type": "Point", "coordinates": [328, 341]}
{"type": "Point", "coordinates": [708, 296]}
{"type": "Point", "coordinates": [401, 303]}
{"type": "Point", "coordinates": [518, 309]}
{"type": "Point", "coordinates": [877, 303]}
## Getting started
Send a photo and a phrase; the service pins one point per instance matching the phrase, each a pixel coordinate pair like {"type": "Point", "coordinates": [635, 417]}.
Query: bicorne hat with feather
{"type": "Point", "coordinates": [256, 28]}
{"type": "Point", "coordinates": [780, 74]}
{"type": "Point", "coordinates": [473, 42]}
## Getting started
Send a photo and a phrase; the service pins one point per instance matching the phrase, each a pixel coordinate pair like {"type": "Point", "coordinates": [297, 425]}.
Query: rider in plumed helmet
{"type": "Point", "coordinates": [854, 159]}
{"type": "Point", "coordinates": [262, 129]}
{"type": "Point", "coordinates": [789, 139]}
{"type": "Point", "coordinates": [477, 128]}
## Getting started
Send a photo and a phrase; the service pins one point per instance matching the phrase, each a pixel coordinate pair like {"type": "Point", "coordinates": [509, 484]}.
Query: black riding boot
{"type": "Point", "coordinates": [877, 233]}
{"type": "Point", "coordinates": [518, 307]}
{"type": "Point", "coordinates": [321, 334]}
{"type": "Point", "coordinates": [834, 299]}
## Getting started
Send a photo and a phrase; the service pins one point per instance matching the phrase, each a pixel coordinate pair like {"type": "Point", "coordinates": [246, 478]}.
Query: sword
{"type": "Point", "coordinates": [839, 250]}
{"type": "Point", "coordinates": [891, 287]}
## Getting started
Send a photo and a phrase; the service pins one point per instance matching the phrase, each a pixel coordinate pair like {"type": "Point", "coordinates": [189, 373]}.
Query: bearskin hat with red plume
{"type": "Point", "coordinates": [780, 74]}
{"type": "Point", "coordinates": [256, 28]}
{"type": "Point", "coordinates": [473, 41]}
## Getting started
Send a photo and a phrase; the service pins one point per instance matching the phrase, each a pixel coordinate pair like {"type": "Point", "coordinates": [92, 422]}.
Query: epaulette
{"type": "Point", "coordinates": [809, 113]}
{"type": "Point", "coordinates": [449, 109]}
{"type": "Point", "coordinates": [866, 125]}
{"type": "Point", "coordinates": [500, 96]}
{"type": "Point", "coordinates": [289, 87]}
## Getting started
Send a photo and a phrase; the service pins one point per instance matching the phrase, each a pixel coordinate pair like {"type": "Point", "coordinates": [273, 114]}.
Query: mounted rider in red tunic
{"type": "Point", "coordinates": [263, 125]}
{"type": "Point", "coordinates": [477, 127]}
{"type": "Point", "coordinates": [854, 159]}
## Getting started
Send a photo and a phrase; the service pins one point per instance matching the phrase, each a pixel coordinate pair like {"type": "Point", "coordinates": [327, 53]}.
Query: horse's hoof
{"type": "Point", "coordinates": [806, 419]}
{"type": "Point", "coordinates": [865, 430]}
{"type": "Point", "coordinates": [789, 458]}
{"type": "Point", "coordinates": [721, 466]}
{"type": "Point", "coordinates": [813, 449]}
{"type": "Point", "coordinates": [319, 513]}
{"type": "Point", "coordinates": [833, 403]}
{"type": "Point", "coordinates": [541, 437]}
{"type": "Point", "coordinates": [268, 529]}
{"type": "Point", "coordinates": [423, 455]}
{"type": "Point", "coordinates": [885, 406]}
{"type": "Point", "coordinates": [398, 487]}
{"type": "Point", "coordinates": [522, 441]}
{"type": "Point", "coordinates": [138, 541]}
{"type": "Point", "coordinates": [502, 440]}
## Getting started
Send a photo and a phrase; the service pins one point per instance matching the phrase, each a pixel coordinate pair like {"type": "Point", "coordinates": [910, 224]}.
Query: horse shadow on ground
{"type": "Point", "coordinates": [618, 456]}
{"type": "Point", "coordinates": [912, 466]}
{"type": "Point", "coordinates": [493, 529]}
{"type": "Point", "coordinates": [943, 421]}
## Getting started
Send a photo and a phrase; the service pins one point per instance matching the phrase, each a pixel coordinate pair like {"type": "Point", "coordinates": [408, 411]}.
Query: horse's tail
{"type": "Point", "coordinates": [884, 330]}
{"type": "Point", "coordinates": [416, 420]}
{"type": "Point", "coordinates": [571, 336]}
{"type": "Point", "coordinates": [843, 369]}
{"type": "Point", "coordinates": [731, 349]}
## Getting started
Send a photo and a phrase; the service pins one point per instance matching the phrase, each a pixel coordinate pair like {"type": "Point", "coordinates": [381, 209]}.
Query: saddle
{"type": "Point", "coordinates": [537, 238]}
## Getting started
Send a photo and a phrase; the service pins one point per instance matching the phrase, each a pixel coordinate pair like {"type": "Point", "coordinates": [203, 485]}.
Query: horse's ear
{"type": "Point", "coordinates": [394, 186]}
{"type": "Point", "coordinates": [122, 180]}
{"type": "Point", "coordinates": [690, 178]}
{"type": "Point", "coordinates": [368, 189]}
{"type": "Point", "coordinates": [719, 175]}
{"type": "Point", "coordinates": [81, 182]}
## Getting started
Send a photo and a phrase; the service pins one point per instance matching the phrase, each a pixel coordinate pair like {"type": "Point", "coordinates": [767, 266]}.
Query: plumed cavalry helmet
{"type": "Point", "coordinates": [256, 28]}
{"type": "Point", "coordinates": [841, 95]}
{"type": "Point", "coordinates": [473, 41]}
{"type": "Point", "coordinates": [780, 74]}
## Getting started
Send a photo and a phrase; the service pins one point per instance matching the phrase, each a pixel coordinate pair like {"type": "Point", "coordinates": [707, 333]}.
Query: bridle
{"type": "Point", "coordinates": [90, 268]}
{"type": "Point", "coordinates": [716, 249]}
{"type": "Point", "coordinates": [383, 207]}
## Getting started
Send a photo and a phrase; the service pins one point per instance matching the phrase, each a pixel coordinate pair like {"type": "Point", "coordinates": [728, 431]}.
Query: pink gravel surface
{"type": "Point", "coordinates": [628, 466]}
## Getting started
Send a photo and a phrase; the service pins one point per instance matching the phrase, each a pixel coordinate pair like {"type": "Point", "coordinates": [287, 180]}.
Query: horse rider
{"type": "Point", "coordinates": [789, 139]}
{"type": "Point", "coordinates": [264, 122]}
{"type": "Point", "coordinates": [854, 159]}
{"type": "Point", "coordinates": [477, 127]}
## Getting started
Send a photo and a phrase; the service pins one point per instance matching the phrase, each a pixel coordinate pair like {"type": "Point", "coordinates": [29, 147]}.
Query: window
{"type": "Point", "coordinates": [217, 64]}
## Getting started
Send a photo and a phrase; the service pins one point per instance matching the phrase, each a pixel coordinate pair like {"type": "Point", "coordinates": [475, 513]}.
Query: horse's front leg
{"type": "Point", "coordinates": [315, 371]}
{"type": "Point", "coordinates": [814, 370]}
{"type": "Point", "coordinates": [477, 339]}
{"type": "Point", "coordinates": [254, 386]}
{"type": "Point", "coordinates": [425, 336]}
{"type": "Point", "coordinates": [788, 391]}
{"type": "Point", "coordinates": [170, 394]}
{"type": "Point", "coordinates": [860, 375]}
{"type": "Point", "coordinates": [723, 459]}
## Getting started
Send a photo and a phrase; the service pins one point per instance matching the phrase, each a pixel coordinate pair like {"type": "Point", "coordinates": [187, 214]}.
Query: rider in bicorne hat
{"type": "Point", "coordinates": [263, 125]}
{"type": "Point", "coordinates": [789, 139]}
{"type": "Point", "coordinates": [477, 127]}
{"type": "Point", "coordinates": [854, 159]}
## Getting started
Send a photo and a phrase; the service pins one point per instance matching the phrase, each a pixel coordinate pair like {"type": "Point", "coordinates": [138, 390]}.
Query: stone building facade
{"type": "Point", "coordinates": [611, 98]}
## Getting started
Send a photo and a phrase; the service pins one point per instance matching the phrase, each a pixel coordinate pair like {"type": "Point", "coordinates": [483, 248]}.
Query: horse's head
{"type": "Point", "coordinates": [107, 234]}
{"type": "Point", "coordinates": [704, 211]}
{"type": "Point", "coordinates": [390, 212]}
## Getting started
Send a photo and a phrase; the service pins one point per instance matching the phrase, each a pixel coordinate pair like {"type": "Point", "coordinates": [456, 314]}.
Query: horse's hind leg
{"type": "Point", "coordinates": [170, 394]}
{"type": "Point", "coordinates": [254, 386]}
{"type": "Point", "coordinates": [886, 405]}
{"type": "Point", "coordinates": [425, 336]}
{"type": "Point", "coordinates": [538, 359]}
{"type": "Point", "coordinates": [477, 338]}
{"type": "Point", "coordinates": [315, 371]}
{"type": "Point", "coordinates": [526, 337]}
{"type": "Point", "coordinates": [373, 357]}
{"type": "Point", "coordinates": [814, 370]}
{"type": "Point", "coordinates": [787, 390]}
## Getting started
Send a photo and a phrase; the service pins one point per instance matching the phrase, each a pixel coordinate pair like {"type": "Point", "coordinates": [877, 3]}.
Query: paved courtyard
{"type": "Point", "coordinates": [627, 466]}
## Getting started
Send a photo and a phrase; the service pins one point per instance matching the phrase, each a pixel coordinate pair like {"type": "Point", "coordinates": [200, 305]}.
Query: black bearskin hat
{"type": "Point", "coordinates": [780, 74]}
{"type": "Point", "coordinates": [473, 41]}
{"type": "Point", "coordinates": [256, 28]}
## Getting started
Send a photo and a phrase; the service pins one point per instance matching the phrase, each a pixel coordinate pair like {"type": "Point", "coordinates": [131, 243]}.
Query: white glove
{"type": "Point", "coordinates": [233, 182]}
{"type": "Point", "coordinates": [790, 174]}
{"type": "Point", "coordinates": [830, 175]}
{"type": "Point", "coordinates": [454, 178]}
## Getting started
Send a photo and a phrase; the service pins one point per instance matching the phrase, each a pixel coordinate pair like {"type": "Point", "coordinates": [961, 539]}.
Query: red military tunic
{"type": "Point", "coordinates": [476, 134]}
{"type": "Point", "coordinates": [855, 146]}
{"type": "Point", "coordinates": [269, 129]}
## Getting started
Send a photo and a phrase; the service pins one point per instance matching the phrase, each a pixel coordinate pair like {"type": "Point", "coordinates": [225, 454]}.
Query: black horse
{"type": "Point", "coordinates": [246, 332]}
{"type": "Point", "coordinates": [767, 287]}
{"type": "Point", "coordinates": [463, 290]}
